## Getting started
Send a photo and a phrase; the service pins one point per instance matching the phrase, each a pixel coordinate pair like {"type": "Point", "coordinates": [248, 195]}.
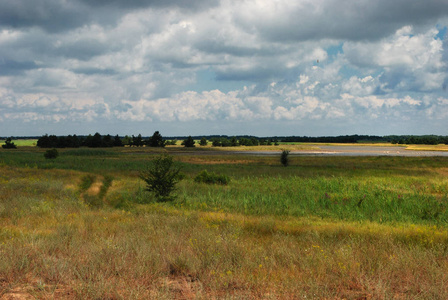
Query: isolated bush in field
{"type": "Point", "coordinates": [212, 178]}
{"type": "Point", "coordinates": [51, 154]}
{"type": "Point", "coordinates": [189, 142]}
{"type": "Point", "coordinates": [161, 177]}
{"type": "Point", "coordinates": [284, 159]}
{"type": "Point", "coordinates": [9, 144]}
{"type": "Point", "coordinates": [203, 142]}
{"type": "Point", "coordinates": [156, 140]}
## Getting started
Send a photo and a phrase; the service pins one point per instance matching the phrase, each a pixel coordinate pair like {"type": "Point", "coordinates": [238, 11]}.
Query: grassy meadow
{"type": "Point", "coordinates": [81, 226]}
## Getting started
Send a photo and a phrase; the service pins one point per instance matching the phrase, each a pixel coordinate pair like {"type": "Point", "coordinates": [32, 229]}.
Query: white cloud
{"type": "Point", "coordinates": [321, 62]}
{"type": "Point", "coordinates": [408, 61]}
{"type": "Point", "coordinates": [360, 86]}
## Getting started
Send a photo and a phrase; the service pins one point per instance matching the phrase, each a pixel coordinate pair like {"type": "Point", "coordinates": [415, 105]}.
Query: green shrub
{"type": "Point", "coordinates": [189, 142]}
{"type": "Point", "coordinates": [161, 177]}
{"type": "Point", "coordinates": [211, 178]}
{"type": "Point", "coordinates": [9, 144]}
{"type": "Point", "coordinates": [284, 159]}
{"type": "Point", "coordinates": [51, 154]}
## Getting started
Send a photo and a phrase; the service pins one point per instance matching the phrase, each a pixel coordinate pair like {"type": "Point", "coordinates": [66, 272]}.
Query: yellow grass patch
{"type": "Point", "coordinates": [427, 147]}
{"type": "Point", "coordinates": [95, 188]}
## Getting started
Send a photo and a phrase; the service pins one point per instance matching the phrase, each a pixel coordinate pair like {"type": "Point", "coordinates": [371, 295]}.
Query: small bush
{"type": "Point", "coordinates": [284, 159]}
{"type": "Point", "coordinates": [161, 177]}
{"type": "Point", "coordinates": [203, 142]}
{"type": "Point", "coordinates": [189, 142]}
{"type": "Point", "coordinates": [212, 178]}
{"type": "Point", "coordinates": [51, 154]}
{"type": "Point", "coordinates": [9, 144]}
{"type": "Point", "coordinates": [86, 182]}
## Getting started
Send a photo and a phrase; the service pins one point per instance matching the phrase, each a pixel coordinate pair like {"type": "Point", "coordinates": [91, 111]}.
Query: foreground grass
{"type": "Point", "coordinates": [74, 228]}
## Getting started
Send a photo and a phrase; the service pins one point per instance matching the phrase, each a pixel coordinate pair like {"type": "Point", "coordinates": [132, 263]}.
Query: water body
{"type": "Point", "coordinates": [357, 151]}
{"type": "Point", "coordinates": [378, 151]}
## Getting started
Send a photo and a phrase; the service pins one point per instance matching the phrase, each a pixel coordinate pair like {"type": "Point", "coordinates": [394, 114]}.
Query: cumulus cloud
{"type": "Point", "coordinates": [322, 62]}
{"type": "Point", "coordinates": [335, 19]}
{"type": "Point", "coordinates": [409, 62]}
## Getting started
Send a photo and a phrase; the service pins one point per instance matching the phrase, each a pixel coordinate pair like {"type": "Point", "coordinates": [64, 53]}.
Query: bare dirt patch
{"type": "Point", "coordinates": [183, 287]}
{"type": "Point", "coordinates": [18, 293]}
{"type": "Point", "coordinates": [95, 188]}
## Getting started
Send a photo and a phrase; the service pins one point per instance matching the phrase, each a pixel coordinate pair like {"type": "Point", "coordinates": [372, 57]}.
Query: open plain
{"type": "Point", "coordinates": [82, 226]}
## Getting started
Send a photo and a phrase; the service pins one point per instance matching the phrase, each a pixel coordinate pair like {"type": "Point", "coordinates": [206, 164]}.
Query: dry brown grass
{"type": "Point", "coordinates": [161, 252]}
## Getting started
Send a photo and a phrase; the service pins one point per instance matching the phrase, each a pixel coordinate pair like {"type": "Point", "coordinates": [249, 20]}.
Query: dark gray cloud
{"type": "Point", "coordinates": [95, 71]}
{"type": "Point", "coordinates": [11, 67]}
{"type": "Point", "coordinates": [84, 49]}
{"type": "Point", "coordinates": [58, 16]}
{"type": "Point", "coordinates": [51, 15]}
{"type": "Point", "coordinates": [135, 4]}
{"type": "Point", "coordinates": [339, 19]}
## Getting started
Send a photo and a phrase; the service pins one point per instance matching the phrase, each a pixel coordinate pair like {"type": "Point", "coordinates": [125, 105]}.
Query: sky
{"type": "Point", "coordinates": [231, 67]}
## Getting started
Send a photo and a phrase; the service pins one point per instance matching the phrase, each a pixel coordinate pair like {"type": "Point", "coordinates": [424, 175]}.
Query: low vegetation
{"type": "Point", "coordinates": [9, 144]}
{"type": "Point", "coordinates": [211, 178]}
{"type": "Point", "coordinates": [284, 158]}
{"type": "Point", "coordinates": [161, 177]}
{"type": "Point", "coordinates": [51, 154]}
{"type": "Point", "coordinates": [82, 227]}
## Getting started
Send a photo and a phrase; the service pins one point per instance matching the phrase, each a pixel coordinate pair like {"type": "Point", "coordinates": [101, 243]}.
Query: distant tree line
{"type": "Point", "coordinates": [99, 141]}
{"type": "Point", "coordinates": [419, 140]}
{"type": "Point", "coordinates": [243, 141]}
{"type": "Point", "coordinates": [332, 139]}
{"type": "Point", "coordinates": [73, 141]}
{"type": "Point", "coordinates": [156, 140]}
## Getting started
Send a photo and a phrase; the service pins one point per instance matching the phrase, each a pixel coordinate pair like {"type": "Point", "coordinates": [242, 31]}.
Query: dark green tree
{"type": "Point", "coordinates": [189, 142]}
{"type": "Point", "coordinates": [127, 141]}
{"type": "Point", "coordinates": [203, 142]}
{"type": "Point", "coordinates": [73, 141]}
{"type": "Point", "coordinates": [137, 141]}
{"type": "Point", "coordinates": [161, 177]}
{"type": "Point", "coordinates": [43, 141]}
{"type": "Point", "coordinates": [254, 141]}
{"type": "Point", "coordinates": [9, 144]}
{"type": "Point", "coordinates": [117, 141]}
{"type": "Point", "coordinates": [107, 141]}
{"type": "Point", "coordinates": [284, 159]}
{"type": "Point", "coordinates": [234, 142]}
{"type": "Point", "coordinates": [156, 140]}
{"type": "Point", "coordinates": [96, 141]}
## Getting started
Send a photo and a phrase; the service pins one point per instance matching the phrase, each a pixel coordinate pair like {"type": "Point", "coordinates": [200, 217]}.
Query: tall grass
{"type": "Point", "coordinates": [374, 199]}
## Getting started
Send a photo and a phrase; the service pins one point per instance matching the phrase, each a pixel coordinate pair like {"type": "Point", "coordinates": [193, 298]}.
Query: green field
{"type": "Point", "coordinates": [22, 142]}
{"type": "Point", "coordinates": [82, 227]}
